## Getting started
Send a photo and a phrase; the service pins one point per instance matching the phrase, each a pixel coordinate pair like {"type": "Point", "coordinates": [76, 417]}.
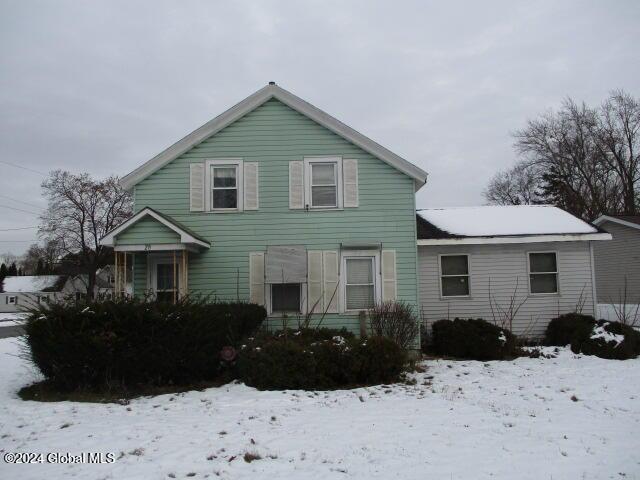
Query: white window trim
{"type": "Point", "coordinates": [468, 275]}
{"type": "Point", "coordinates": [152, 271]}
{"type": "Point", "coordinates": [342, 280]}
{"type": "Point", "coordinates": [303, 301]}
{"type": "Point", "coordinates": [308, 161]}
{"type": "Point", "coordinates": [13, 300]}
{"type": "Point", "coordinates": [557, 273]}
{"type": "Point", "coordinates": [208, 184]}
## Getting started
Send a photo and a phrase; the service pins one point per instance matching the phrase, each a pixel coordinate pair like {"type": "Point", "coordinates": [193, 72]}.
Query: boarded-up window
{"type": "Point", "coordinates": [286, 264]}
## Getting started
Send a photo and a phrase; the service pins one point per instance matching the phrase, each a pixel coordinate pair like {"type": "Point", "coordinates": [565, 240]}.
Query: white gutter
{"type": "Point", "coordinates": [578, 237]}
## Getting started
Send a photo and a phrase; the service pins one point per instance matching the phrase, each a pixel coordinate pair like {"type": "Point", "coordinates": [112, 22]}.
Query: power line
{"type": "Point", "coordinates": [23, 168]}
{"type": "Point", "coordinates": [13, 229]}
{"type": "Point", "coordinates": [19, 209]}
{"type": "Point", "coordinates": [22, 201]}
{"type": "Point", "coordinates": [18, 241]}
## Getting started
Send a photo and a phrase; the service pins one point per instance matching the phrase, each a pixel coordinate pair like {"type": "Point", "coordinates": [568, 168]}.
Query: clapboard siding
{"type": "Point", "coordinates": [147, 230]}
{"type": "Point", "coordinates": [616, 260]}
{"type": "Point", "coordinates": [500, 272]}
{"type": "Point", "coordinates": [273, 135]}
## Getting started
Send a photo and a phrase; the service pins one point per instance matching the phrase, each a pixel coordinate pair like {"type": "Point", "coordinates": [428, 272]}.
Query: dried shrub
{"type": "Point", "coordinates": [396, 321]}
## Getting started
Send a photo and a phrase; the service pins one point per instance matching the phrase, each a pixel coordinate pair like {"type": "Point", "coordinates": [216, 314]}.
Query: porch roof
{"type": "Point", "coordinates": [161, 233]}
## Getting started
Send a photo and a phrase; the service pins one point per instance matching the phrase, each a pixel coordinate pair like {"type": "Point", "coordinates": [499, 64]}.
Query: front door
{"type": "Point", "coordinates": [165, 278]}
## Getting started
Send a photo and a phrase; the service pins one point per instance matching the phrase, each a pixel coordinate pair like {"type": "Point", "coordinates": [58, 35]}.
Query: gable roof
{"type": "Point", "coordinates": [502, 224]}
{"type": "Point", "coordinates": [33, 283]}
{"type": "Point", "coordinates": [186, 235]}
{"type": "Point", "coordinates": [632, 221]}
{"type": "Point", "coordinates": [252, 102]}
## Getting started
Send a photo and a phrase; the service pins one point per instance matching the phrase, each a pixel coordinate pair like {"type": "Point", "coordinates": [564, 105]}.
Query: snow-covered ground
{"type": "Point", "coordinates": [571, 417]}
{"type": "Point", "coordinates": [11, 319]}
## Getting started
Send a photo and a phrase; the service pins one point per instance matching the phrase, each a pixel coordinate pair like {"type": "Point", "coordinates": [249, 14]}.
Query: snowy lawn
{"type": "Point", "coordinates": [571, 417]}
{"type": "Point", "coordinates": [11, 319]}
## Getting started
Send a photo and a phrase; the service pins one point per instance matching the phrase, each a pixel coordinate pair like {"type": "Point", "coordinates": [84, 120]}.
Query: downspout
{"type": "Point", "coordinates": [593, 281]}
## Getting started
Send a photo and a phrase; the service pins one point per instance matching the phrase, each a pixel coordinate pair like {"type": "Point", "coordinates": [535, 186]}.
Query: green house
{"type": "Point", "coordinates": [278, 203]}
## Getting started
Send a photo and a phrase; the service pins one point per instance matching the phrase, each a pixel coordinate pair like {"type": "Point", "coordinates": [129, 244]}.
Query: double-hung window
{"type": "Point", "coordinates": [12, 300]}
{"type": "Point", "coordinates": [360, 285]}
{"type": "Point", "coordinates": [454, 275]}
{"type": "Point", "coordinates": [543, 272]}
{"type": "Point", "coordinates": [224, 184]}
{"type": "Point", "coordinates": [324, 182]}
{"type": "Point", "coordinates": [224, 187]}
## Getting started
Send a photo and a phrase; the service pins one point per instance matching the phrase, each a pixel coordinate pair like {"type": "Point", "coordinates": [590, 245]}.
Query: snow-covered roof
{"type": "Point", "coordinates": [502, 221]}
{"type": "Point", "coordinates": [33, 283]}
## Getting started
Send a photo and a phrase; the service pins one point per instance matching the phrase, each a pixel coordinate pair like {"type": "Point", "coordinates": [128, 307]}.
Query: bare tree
{"type": "Point", "coordinates": [516, 186]}
{"type": "Point", "coordinates": [618, 140]}
{"type": "Point", "coordinates": [582, 159]}
{"type": "Point", "coordinates": [80, 212]}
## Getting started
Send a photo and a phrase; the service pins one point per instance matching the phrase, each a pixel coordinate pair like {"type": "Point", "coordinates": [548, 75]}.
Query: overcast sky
{"type": "Point", "coordinates": [101, 87]}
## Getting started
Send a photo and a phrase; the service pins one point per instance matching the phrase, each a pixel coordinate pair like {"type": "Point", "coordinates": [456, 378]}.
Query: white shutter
{"type": "Point", "coordinates": [196, 187]}
{"type": "Point", "coordinates": [251, 186]}
{"type": "Point", "coordinates": [330, 280]}
{"type": "Point", "coordinates": [350, 174]}
{"type": "Point", "coordinates": [256, 277]}
{"type": "Point", "coordinates": [296, 184]}
{"type": "Point", "coordinates": [389, 288]}
{"type": "Point", "coordinates": [314, 281]}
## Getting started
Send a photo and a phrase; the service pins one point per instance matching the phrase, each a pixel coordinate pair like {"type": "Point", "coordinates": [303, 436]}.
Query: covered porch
{"type": "Point", "coordinates": [159, 246]}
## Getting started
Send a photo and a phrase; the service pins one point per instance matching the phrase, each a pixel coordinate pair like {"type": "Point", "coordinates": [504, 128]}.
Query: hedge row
{"type": "Point", "coordinates": [318, 359]}
{"type": "Point", "coordinates": [130, 342]}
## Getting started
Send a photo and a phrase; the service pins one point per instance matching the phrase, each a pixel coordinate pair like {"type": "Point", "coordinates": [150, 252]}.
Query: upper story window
{"type": "Point", "coordinates": [224, 188]}
{"type": "Point", "coordinates": [323, 182]}
{"type": "Point", "coordinates": [454, 275]}
{"type": "Point", "coordinates": [324, 185]}
{"type": "Point", "coordinates": [12, 300]}
{"type": "Point", "coordinates": [543, 272]}
{"type": "Point", "coordinates": [224, 185]}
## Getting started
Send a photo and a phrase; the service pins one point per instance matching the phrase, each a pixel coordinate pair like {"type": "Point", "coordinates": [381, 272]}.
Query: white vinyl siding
{"type": "Point", "coordinates": [499, 274]}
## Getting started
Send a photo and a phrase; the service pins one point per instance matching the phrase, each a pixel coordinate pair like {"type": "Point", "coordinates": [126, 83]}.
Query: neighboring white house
{"type": "Point", "coordinates": [518, 266]}
{"type": "Point", "coordinates": [618, 268]}
{"type": "Point", "coordinates": [18, 293]}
